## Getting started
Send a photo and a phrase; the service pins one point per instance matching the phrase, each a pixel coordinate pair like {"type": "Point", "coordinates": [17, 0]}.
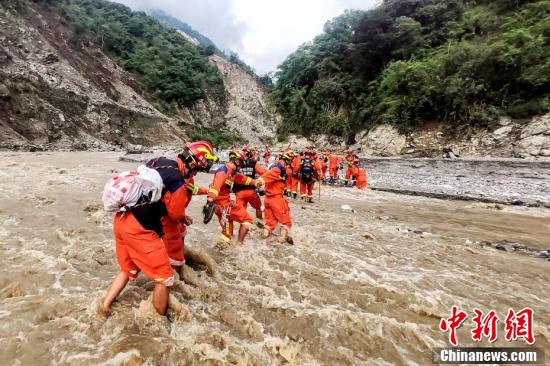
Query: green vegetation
{"type": "Point", "coordinates": [409, 61]}
{"type": "Point", "coordinates": [234, 58]}
{"type": "Point", "coordinates": [221, 138]}
{"type": "Point", "coordinates": [169, 21]}
{"type": "Point", "coordinates": [172, 68]}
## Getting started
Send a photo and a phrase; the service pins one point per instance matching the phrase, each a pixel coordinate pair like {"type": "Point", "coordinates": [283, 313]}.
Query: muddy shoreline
{"type": "Point", "coordinates": [503, 181]}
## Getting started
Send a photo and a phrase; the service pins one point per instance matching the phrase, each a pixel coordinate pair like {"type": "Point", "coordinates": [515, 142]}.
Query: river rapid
{"type": "Point", "coordinates": [363, 285]}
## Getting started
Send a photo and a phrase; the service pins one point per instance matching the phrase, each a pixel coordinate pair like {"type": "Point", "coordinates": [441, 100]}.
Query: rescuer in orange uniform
{"type": "Point", "coordinates": [334, 162]}
{"type": "Point", "coordinates": [321, 168]}
{"type": "Point", "coordinates": [218, 194]}
{"type": "Point", "coordinates": [246, 194]}
{"type": "Point", "coordinates": [326, 155]}
{"type": "Point", "coordinates": [138, 230]}
{"type": "Point", "coordinates": [295, 176]}
{"type": "Point", "coordinates": [267, 155]}
{"type": "Point", "coordinates": [361, 177]}
{"type": "Point", "coordinates": [307, 176]}
{"type": "Point", "coordinates": [277, 210]}
{"type": "Point", "coordinates": [288, 182]}
{"type": "Point", "coordinates": [353, 163]}
{"type": "Point", "coordinates": [349, 157]}
{"type": "Point", "coordinates": [175, 231]}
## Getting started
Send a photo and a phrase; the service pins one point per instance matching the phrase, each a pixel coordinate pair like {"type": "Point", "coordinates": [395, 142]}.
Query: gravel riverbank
{"type": "Point", "coordinates": [507, 181]}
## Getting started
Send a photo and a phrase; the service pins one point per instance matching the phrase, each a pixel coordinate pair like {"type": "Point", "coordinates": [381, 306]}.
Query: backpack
{"type": "Point", "coordinates": [126, 189]}
{"type": "Point", "coordinates": [307, 167]}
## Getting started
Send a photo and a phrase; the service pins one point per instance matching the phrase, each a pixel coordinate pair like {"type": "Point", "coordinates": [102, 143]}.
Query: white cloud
{"type": "Point", "coordinates": [262, 32]}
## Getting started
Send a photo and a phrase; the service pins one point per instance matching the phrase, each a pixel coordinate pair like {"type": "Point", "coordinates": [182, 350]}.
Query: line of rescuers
{"type": "Point", "coordinates": [150, 236]}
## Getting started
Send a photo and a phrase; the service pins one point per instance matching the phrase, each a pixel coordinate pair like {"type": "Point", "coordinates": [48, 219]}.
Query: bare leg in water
{"type": "Point", "coordinates": [243, 230]}
{"type": "Point", "coordinates": [160, 295]}
{"type": "Point", "coordinates": [160, 298]}
{"type": "Point", "coordinates": [113, 291]}
{"type": "Point", "coordinates": [284, 235]}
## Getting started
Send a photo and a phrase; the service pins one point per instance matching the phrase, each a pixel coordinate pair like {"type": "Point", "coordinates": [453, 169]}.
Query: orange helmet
{"type": "Point", "coordinates": [198, 155]}
{"type": "Point", "coordinates": [237, 154]}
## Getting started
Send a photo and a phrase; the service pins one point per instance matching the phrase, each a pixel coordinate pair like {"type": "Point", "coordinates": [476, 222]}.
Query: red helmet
{"type": "Point", "coordinates": [198, 155]}
{"type": "Point", "coordinates": [249, 151]}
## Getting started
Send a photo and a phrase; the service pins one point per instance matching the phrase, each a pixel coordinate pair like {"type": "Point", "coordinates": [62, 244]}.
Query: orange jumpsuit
{"type": "Point", "coordinates": [294, 177]}
{"type": "Point", "coordinates": [175, 231]}
{"type": "Point", "coordinates": [349, 160]}
{"type": "Point", "coordinates": [138, 232]}
{"type": "Point", "coordinates": [288, 181]}
{"type": "Point", "coordinates": [361, 178]}
{"type": "Point", "coordinates": [277, 210]}
{"type": "Point", "coordinates": [226, 210]}
{"type": "Point", "coordinates": [321, 169]}
{"type": "Point", "coordinates": [334, 162]}
{"type": "Point", "coordinates": [325, 166]}
{"type": "Point", "coordinates": [244, 194]}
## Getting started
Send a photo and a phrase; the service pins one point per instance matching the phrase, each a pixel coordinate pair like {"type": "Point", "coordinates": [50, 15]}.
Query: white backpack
{"type": "Point", "coordinates": [125, 189]}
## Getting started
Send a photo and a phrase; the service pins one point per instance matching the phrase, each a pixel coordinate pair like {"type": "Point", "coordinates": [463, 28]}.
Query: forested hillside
{"type": "Point", "coordinates": [410, 61]}
{"type": "Point", "coordinates": [170, 66]}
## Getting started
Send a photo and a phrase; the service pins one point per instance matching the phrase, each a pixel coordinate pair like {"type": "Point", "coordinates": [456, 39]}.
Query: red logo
{"type": "Point", "coordinates": [452, 323]}
{"type": "Point", "coordinates": [520, 325]}
{"type": "Point", "coordinates": [485, 326]}
{"type": "Point", "coordinates": [516, 326]}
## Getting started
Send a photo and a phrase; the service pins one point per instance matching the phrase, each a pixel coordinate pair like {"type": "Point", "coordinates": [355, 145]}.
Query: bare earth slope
{"type": "Point", "coordinates": [54, 94]}
{"type": "Point", "coordinates": [361, 287]}
{"type": "Point", "coordinates": [246, 110]}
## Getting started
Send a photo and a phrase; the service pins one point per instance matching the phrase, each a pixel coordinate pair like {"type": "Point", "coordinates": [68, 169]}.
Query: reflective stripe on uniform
{"type": "Point", "coordinates": [194, 188]}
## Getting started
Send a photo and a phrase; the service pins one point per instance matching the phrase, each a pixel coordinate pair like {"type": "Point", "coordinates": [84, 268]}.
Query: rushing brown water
{"type": "Point", "coordinates": [361, 287]}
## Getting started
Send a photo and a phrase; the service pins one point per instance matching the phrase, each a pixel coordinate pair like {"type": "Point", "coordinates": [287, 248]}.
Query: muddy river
{"type": "Point", "coordinates": [363, 285]}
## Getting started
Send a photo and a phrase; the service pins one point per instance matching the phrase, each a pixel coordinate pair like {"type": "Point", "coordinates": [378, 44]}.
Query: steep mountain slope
{"type": "Point", "coordinates": [246, 111]}
{"type": "Point", "coordinates": [55, 96]}
{"type": "Point", "coordinates": [56, 92]}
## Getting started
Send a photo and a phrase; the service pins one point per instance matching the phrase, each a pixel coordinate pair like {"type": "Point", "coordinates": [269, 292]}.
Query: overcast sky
{"type": "Point", "coordinates": [262, 32]}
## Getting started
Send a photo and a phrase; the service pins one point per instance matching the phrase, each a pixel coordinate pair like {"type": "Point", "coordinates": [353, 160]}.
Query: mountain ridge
{"type": "Point", "coordinates": [183, 26]}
